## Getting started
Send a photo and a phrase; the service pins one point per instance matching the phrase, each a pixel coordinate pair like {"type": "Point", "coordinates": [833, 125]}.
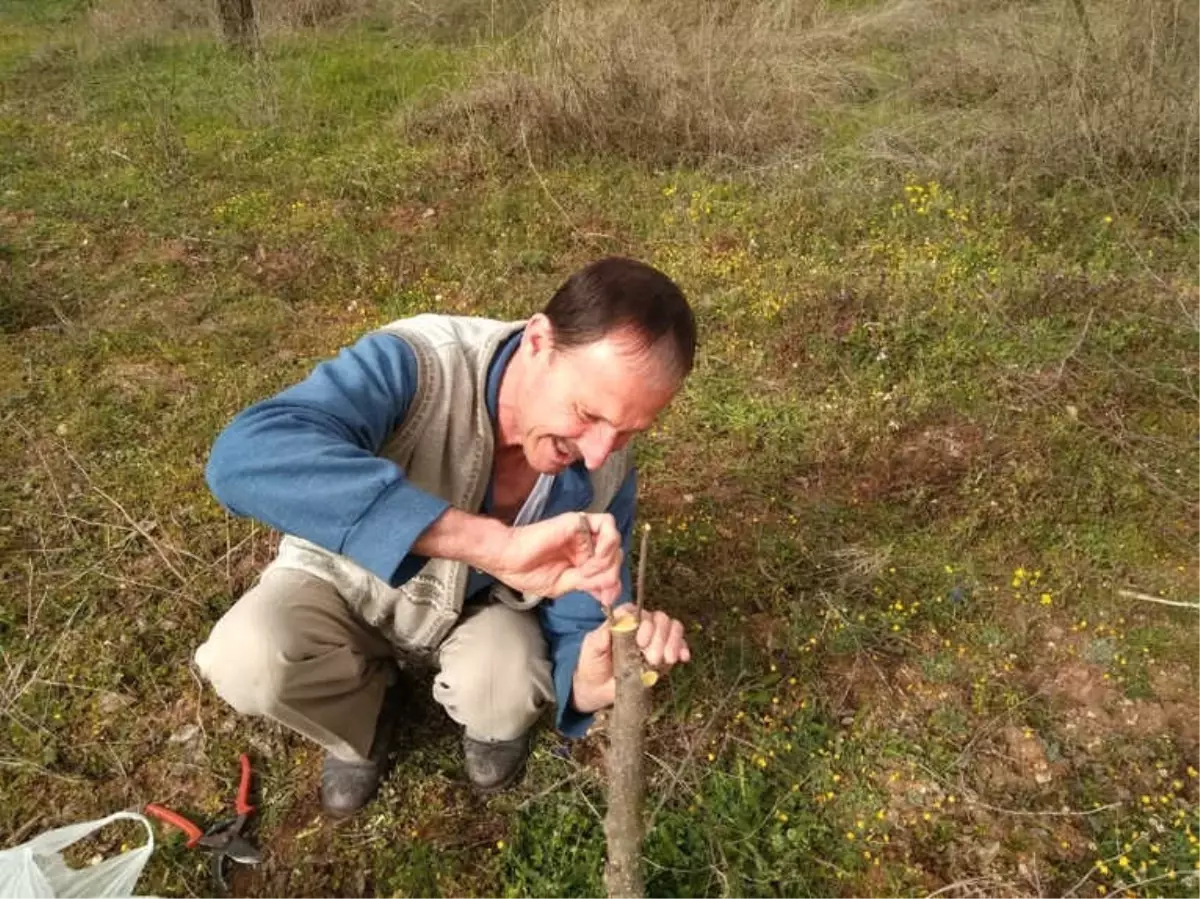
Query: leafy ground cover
{"type": "Point", "coordinates": [925, 503]}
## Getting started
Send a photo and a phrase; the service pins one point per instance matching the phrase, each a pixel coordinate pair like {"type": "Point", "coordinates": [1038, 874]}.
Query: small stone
{"type": "Point", "coordinates": [185, 734]}
{"type": "Point", "coordinates": [109, 703]}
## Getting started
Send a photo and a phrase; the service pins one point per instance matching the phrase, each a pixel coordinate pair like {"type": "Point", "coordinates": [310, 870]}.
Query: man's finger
{"type": "Point", "coordinates": [583, 535]}
{"type": "Point", "coordinates": [607, 597]}
{"type": "Point", "coordinates": [661, 629]}
{"type": "Point", "coordinates": [675, 645]}
{"type": "Point", "coordinates": [645, 630]}
{"type": "Point", "coordinates": [606, 539]}
{"type": "Point", "coordinates": [603, 563]}
{"type": "Point", "coordinates": [606, 587]}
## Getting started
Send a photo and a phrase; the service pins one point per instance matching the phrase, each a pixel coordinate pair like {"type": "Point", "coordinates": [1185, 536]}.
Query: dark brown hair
{"type": "Point", "coordinates": [614, 293]}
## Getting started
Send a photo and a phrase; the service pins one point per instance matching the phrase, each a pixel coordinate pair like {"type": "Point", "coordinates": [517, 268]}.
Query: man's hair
{"type": "Point", "coordinates": [616, 293]}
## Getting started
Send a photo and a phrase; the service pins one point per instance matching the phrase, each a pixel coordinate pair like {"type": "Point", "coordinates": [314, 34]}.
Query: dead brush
{"type": "Point", "coordinates": [1039, 94]}
{"type": "Point", "coordinates": [661, 83]}
{"type": "Point", "coordinates": [111, 23]}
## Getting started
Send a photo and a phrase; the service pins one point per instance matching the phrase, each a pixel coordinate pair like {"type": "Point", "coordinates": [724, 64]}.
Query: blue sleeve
{"type": "Point", "coordinates": [568, 619]}
{"type": "Point", "coordinates": [304, 462]}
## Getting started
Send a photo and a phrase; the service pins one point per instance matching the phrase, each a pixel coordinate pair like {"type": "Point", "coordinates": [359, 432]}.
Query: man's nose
{"type": "Point", "coordinates": [596, 444]}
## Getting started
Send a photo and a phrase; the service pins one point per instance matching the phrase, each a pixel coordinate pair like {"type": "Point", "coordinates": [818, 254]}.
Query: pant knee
{"type": "Point", "coordinates": [246, 670]}
{"type": "Point", "coordinates": [498, 694]}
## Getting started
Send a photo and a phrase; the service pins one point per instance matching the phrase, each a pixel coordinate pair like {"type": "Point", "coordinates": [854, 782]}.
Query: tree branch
{"type": "Point", "coordinates": [624, 824]}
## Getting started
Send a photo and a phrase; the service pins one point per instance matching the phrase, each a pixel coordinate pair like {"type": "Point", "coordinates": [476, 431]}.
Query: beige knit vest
{"type": "Point", "coordinates": [445, 446]}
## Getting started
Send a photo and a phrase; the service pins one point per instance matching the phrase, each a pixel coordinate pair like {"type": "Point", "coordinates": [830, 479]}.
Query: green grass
{"type": "Point", "coordinates": [936, 427]}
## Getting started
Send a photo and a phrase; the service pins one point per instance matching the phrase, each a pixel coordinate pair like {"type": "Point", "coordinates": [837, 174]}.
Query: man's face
{"type": "Point", "coordinates": [587, 402]}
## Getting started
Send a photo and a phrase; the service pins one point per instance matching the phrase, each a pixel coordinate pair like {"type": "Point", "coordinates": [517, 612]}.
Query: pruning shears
{"type": "Point", "coordinates": [223, 839]}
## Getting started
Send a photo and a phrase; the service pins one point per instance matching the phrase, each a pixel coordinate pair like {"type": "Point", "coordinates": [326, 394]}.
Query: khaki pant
{"type": "Point", "coordinates": [292, 650]}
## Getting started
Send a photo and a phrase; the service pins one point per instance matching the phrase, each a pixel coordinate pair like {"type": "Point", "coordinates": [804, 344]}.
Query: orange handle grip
{"type": "Point", "coordinates": [243, 806]}
{"type": "Point", "coordinates": [165, 814]}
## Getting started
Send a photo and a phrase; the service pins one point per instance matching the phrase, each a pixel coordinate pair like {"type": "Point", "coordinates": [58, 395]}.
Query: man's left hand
{"type": "Point", "coordinates": [660, 638]}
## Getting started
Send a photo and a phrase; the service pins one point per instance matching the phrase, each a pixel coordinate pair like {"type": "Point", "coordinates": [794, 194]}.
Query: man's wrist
{"type": "Point", "coordinates": [587, 697]}
{"type": "Point", "coordinates": [477, 540]}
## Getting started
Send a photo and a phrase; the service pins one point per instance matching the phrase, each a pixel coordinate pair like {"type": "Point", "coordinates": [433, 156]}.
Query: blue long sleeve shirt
{"type": "Point", "coordinates": [306, 462]}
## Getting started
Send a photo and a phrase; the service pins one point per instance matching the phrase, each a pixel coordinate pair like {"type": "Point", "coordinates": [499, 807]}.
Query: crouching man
{"type": "Point", "coordinates": [459, 490]}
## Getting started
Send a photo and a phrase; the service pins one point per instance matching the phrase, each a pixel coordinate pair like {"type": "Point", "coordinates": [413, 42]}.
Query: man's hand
{"type": "Point", "coordinates": [572, 551]}
{"type": "Point", "coordinates": [660, 639]}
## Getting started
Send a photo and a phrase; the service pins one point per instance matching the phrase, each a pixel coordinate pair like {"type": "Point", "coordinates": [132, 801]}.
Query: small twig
{"type": "Point", "coordinates": [30, 617]}
{"type": "Point", "coordinates": [1095, 867]}
{"type": "Point", "coordinates": [1139, 883]}
{"type": "Point", "coordinates": [589, 237]}
{"type": "Point", "coordinates": [987, 726]}
{"type": "Point", "coordinates": [689, 760]}
{"type": "Point", "coordinates": [200, 691]}
{"type": "Point", "coordinates": [25, 765]}
{"type": "Point", "coordinates": [550, 789]}
{"type": "Point", "coordinates": [1066, 813]}
{"type": "Point", "coordinates": [588, 802]}
{"type": "Point", "coordinates": [137, 526]}
{"type": "Point", "coordinates": [10, 701]}
{"type": "Point", "coordinates": [643, 552]}
{"type": "Point", "coordinates": [1145, 597]}
{"type": "Point", "coordinates": [671, 771]}
{"type": "Point", "coordinates": [1062, 365]}
{"type": "Point", "coordinates": [959, 884]}
{"type": "Point", "coordinates": [117, 759]}
{"type": "Point", "coordinates": [25, 830]}
{"type": "Point", "coordinates": [58, 497]}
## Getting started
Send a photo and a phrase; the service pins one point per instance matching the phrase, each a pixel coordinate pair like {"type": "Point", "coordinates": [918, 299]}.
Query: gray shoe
{"type": "Point", "coordinates": [346, 786]}
{"type": "Point", "coordinates": [494, 765]}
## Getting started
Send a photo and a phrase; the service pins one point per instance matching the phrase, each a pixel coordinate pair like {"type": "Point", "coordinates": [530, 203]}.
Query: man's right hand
{"type": "Point", "coordinates": [549, 558]}
{"type": "Point", "coordinates": [558, 555]}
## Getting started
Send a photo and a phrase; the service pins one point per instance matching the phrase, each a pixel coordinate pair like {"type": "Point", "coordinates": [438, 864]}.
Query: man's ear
{"type": "Point", "coordinates": [539, 336]}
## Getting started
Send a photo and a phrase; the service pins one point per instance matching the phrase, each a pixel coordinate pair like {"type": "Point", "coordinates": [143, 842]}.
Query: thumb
{"type": "Point", "coordinates": [597, 645]}
{"type": "Point", "coordinates": [585, 544]}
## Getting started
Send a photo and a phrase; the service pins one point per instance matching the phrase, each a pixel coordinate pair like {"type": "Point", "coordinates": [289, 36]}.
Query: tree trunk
{"type": "Point", "coordinates": [623, 825]}
{"type": "Point", "coordinates": [239, 25]}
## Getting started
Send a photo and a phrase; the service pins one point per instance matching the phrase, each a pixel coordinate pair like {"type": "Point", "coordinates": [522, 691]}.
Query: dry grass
{"type": "Point", "coordinates": [1040, 92]}
{"type": "Point", "coordinates": [1037, 94]}
{"type": "Point", "coordinates": [656, 83]}
{"type": "Point", "coordinates": [116, 21]}
{"type": "Point", "coordinates": [1057, 92]}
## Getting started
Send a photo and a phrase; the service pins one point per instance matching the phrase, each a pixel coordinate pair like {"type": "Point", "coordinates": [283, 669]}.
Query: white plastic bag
{"type": "Point", "coordinates": [36, 869]}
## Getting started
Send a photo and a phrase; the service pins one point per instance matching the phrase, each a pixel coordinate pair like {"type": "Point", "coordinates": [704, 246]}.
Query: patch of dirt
{"type": "Point", "coordinates": [1020, 764]}
{"type": "Point", "coordinates": [931, 460]}
{"type": "Point", "coordinates": [406, 218]}
{"type": "Point", "coordinates": [132, 379]}
{"type": "Point", "coordinates": [862, 684]}
{"type": "Point", "coordinates": [908, 795]}
{"type": "Point", "coordinates": [1178, 691]}
{"type": "Point", "coordinates": [289, 273]}
{"type": "Point", "coordinates": [1094, 709]}
{"type": "Point", "coordinates": [181, 252]}
{"type": "Point", "coordinates": [303, 834]}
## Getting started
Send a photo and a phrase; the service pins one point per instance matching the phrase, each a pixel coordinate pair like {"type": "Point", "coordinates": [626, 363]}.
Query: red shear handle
{"type": "Point", "coordinates": [193, 832]}
{"type": "Point", "coordinates": [243, 806]}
